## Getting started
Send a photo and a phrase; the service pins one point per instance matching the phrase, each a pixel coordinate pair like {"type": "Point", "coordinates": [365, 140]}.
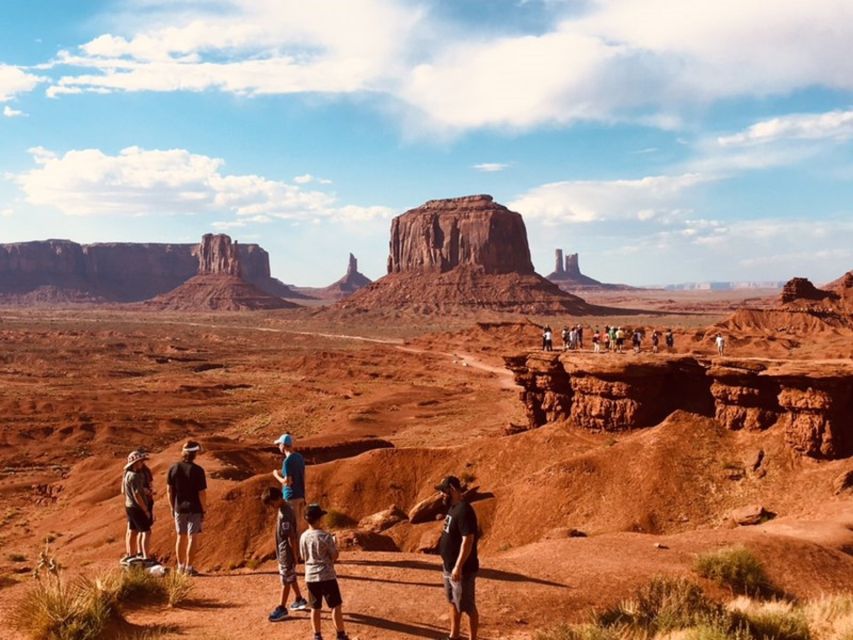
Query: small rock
{"type": "Point", "coordinates": [751, 515]}
{"type": "Point", "coordinates": [843, 482]}
{"type": "Point", "coordinates": [659, 545]}
{"type": "Point", "coordinates": [563, 532]}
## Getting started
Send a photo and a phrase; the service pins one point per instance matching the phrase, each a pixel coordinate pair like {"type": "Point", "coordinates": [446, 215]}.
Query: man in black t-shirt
{"type": "Point", "coordinates": [458, 550]}
{"type": "Point", "coordinates": [187, 489]}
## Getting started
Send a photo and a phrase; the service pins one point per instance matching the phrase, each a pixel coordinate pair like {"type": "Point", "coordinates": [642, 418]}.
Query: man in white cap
{"type": "Point", "coordinates": [187, 491]}
{"type": "Point", "coordinates": [292, 479]}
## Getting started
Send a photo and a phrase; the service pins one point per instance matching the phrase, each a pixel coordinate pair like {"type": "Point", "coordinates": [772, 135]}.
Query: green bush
{"type": "Point", "coordinates": [737, 569]}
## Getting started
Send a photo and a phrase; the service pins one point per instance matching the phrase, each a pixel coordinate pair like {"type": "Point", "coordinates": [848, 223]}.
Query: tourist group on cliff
{"type": "Point", "coordinates": [299, 535]}
{"type": "Point", "coordinates": [612, 339]}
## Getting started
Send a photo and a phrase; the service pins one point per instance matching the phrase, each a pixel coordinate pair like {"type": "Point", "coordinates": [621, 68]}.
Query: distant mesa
{"type": "Point", "coordinates": [57, 272]}
{"type": "Point", "coordinates": [801, 289]}
{"type": "Point", "coordinates": [468, 252]}
{"type": "Point", "coordinates": [219, 284]}
{"type": "Point", "coordinates": [567, 274]}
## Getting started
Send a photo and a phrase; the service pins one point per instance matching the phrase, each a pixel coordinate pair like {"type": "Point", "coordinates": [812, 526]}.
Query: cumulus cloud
{"type": "Point", "coordinates": [9, 112]}
{"type": "Point", "coordinates": [833, 125]}
{"type": "Point", "coordinates": [584, 201]}
{"type": "Point", "coordinates": [175, 181]}
{"type": "Point", "coordinates": [490, 167]}
{"type": "Point", "coordinates": [642, 60]}
{"type": "Point", "coordinates": [307, 178]}
{"type": "Point", "coordinates": [14, 81]}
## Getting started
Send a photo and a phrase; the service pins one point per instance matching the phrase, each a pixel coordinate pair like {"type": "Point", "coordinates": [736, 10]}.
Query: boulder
{"type": "Point", "coordinates": [428, 509]}
{"type": "Point", "coordinates": [430, 540]}
{"type": "Point", "coordinates": [351, 539]}
{"type": "Point", "coordinates": [843, 482]}
{"type": "Point", "coordinates": [383, 520]}
{"type": "Point", "coordinates": [750, 515]}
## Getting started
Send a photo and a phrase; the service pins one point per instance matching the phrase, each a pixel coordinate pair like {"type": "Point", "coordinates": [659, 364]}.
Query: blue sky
{"type": "Point", "coordinates": [664, 142]}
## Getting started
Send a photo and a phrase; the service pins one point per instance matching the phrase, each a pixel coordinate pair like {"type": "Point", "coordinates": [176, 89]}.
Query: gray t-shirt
{"type": "Point", "coordinates": [317, 549]}
{"type": "Point", "coordinates": [133, 483]}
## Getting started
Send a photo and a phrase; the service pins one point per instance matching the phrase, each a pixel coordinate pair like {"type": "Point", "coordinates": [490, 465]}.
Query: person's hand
{"type": "Point", "coordinates": [456, 574]}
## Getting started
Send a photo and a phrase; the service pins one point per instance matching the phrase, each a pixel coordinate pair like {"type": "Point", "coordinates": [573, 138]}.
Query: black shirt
{"type": "Point", "coordinates": [461, 521]}
{"type": "Point", "coordinates": [186, 480]}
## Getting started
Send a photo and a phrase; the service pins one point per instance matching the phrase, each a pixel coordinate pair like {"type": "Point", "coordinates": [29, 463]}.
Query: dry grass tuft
{"type": "Point", "coordinates": [737, 569]}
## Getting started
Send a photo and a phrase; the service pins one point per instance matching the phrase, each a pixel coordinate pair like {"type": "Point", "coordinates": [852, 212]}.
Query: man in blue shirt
{"type": "Point", "coordinates": [292, 479]}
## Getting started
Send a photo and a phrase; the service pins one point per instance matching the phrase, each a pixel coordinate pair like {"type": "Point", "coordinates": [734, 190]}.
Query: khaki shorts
{"type": "Point", "coordinates": [188, 523]}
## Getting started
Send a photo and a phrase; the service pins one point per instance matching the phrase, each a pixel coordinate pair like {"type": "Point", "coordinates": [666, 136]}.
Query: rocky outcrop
{"type": "Point", "coordinates": [810, 401]}
{"type": "Point", "coordinates": [462, 253]}
{"type": "Point", "coordinates": [567, 274]}
{"type": "Point", "coordinates": [352, 281]}
{"type": "Point", "coordinates": [62, 271]}
{"type": "Point", "coordinates": [219, 284]}
{"type": "Point", "coordinates": [801, 289]}
{"type": "Point", "coordinates": [472, 231]}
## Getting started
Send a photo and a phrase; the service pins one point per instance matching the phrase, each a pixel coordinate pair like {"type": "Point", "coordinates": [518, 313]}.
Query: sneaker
{"type": "Point", "coordinates": [191, 571]}
{"type": "Point", "coordinates": [299, 605]}
{"type": "Point", "coordinates": [342, 636]}
{"type": "Point", "coordinates": [278, 614]}
{"type": "Point", "coordinates": [180, 568]}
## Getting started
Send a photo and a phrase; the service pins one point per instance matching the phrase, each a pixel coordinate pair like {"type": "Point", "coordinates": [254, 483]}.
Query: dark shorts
{"type": "Point", "coordinates": [462, 595]}
{"type": "Point", "coordinates": [328, 590]}
{"type": "Point", "coordinates": [137, 520]}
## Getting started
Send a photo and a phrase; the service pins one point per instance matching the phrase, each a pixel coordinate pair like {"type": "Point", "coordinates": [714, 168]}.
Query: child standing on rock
{"type": "Point", "coordinates": [320, 552]}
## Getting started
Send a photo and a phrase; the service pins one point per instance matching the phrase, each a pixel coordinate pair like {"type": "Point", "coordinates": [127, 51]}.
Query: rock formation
{"type": "Point", "coordinates": [219, 284]}
{"type": "Point", "coordinates": [810, 401]}
{"type": "Point", "coordinates": [801, 289]}
{"type": "Point", "coordinates": [60, 271]}
{"type": "Point", "coordinates": [352, 281]}
{"type": "Point", "coordinates": [567, 274]}
{"type": "Point", "coordinates": [468, 252]}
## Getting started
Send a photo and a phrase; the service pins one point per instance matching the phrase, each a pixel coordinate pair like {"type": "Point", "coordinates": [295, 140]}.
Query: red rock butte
{"type": "Point", "coordinates": [468, 252]}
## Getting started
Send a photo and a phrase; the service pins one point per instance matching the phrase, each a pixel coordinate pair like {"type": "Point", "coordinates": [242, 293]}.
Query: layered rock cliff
{"type": "Point", "coordinates": [65, 271]}
{"type": "Point", "coordinates": [468, 252]}
{"type": "Point", "coordinates": [810, 401]}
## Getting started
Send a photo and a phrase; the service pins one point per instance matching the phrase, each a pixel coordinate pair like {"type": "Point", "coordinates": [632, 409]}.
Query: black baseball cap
{"type": "Point", "coordinates": [314, 512]}
{"type": "Point", "coordinates": [450, 481]}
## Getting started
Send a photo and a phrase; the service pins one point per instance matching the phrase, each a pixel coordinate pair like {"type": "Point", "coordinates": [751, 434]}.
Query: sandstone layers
{"type": "Point", "coordinates": [218, 285]}
{"type": "Point", "coordinates": [60, 271]}
{"type": "Point", "coordinates": [467, 252]}
{"type": "Point", "coordinates": [811, 401]}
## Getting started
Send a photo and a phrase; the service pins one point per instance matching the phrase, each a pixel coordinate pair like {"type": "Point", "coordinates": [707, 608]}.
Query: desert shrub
{"type": "Point", "coordinates": [335, 519]}
{"type": "Point", "coordinates": [830, 617]}
{"type": "Point", "coordinates": [577, 632]}
{"type": "Point", "coordinates": [774, 619]}
{"type": "Point", "coordinates": [735, 568]}
{"type": "Point", "coordinates": [178, 588]}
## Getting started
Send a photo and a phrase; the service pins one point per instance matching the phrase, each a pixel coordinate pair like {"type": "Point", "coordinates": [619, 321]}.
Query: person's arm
{"type": "Point", "coordinates": [171, 498]}
{"type": "Point", "coordinates": [202, 500]}
{"type": "Point", "coordinates": [278, 476]}
{"type": "Point", "coordinates": [333, 548]}
{"type": "Point", "coordinates": [137, 495]}
{"type": "Point", "coordinates": [464, 552]}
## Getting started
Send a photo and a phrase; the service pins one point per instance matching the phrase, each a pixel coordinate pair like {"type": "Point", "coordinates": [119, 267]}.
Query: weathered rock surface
{"type": "Point", "coordinates": [62, 271]}
{"type": "Point", "coordinates": [351, 539]}
{"type": "Point", "coordinates": [811, 401]}
{"type": "Point", "coordinates": [750, 515]}
{"type": "Point", "coordinates": [802, 289]}
{"type": "Point", "coordinates": [379, 522]}
{"type": "Point", "coordinates": [427, 509]}
{"type": "Point", "coordinates": [468, 252]}
{"type": "Point", "coordinates": [219, 285]}
{"type": "Point", "coordinates": [843, 482]}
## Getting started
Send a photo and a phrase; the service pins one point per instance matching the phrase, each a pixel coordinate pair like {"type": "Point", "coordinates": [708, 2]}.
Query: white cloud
{"type": "Point", "coordinates": [833, 125]}
{"type": "Point", "coordinates": [6, 213]}
{"type": "Point", "coordinates": [143, 182]}
{"type": "Point", "coordinates": [308, 179]}
{"type": "Point", "coordinates": [490, 167]}
{"type": "Point", "coordinates": [640, 60]}
{"type": "Point", "coordinates": [9, 112]}
{"type": "Point", "coordinates": [583, 201]}
{"type": "Point", "coordinates": [14, 81]}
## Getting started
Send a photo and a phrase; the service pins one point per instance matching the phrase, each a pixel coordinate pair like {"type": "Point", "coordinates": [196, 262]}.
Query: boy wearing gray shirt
{"type": "Point", "coordinates": [319, 551]}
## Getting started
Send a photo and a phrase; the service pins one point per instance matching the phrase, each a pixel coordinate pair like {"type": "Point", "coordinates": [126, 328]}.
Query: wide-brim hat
{"type": "Point", "coordinates": [134, 457]}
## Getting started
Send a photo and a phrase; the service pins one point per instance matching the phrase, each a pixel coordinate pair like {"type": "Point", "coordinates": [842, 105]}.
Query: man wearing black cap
{"type": "Point", "coordinates": [459, 555]}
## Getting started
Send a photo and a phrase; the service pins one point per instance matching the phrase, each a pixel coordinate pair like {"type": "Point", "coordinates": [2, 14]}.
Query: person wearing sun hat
{"type": "Point", "coordinates": [134, 488]}
{"type": "Point", "coordinates": [186, 486]}
{"type": "Point", "coordinates": [292, 479]}
{"type": "Point", "coordinates": [458, 550]}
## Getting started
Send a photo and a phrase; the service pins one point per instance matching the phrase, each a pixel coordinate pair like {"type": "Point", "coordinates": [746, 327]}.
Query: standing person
{"type": "Point", "coordinates": [547, 339]}
{"type": "Point", "coordinates": [580, 337]}
{"type": "Point", "coordinates": [620, 340]}
{"type": "Point", "coordinates": [565, 335]}
{"type": "Point", "coordinates": [458, 548]}
{"type": "Point", "coordinates": [669, 339]}
{"type": "Point", "coordinates": [720, 342]}
{"type": "Point", "coordinates": [286, 546]}
{"type": "Point", "coordinates": [596, 341]}
{"type": "Point", "coordinates": [613, 338]}
{"type": "Point", "coordinates": [292, 479]}
{"type": "Point", "coordinates": [655, 341]}
{"type": "Point", "coordinates": [606, 338]}
{"type": "Point", "coordinates": [637, 339]}
{"type": "Point", "coordinates": [320, 551]}
{"type": "Point", "coordinates": [135, 487]}
{"type": "Point", "coordinates": [186, 486]}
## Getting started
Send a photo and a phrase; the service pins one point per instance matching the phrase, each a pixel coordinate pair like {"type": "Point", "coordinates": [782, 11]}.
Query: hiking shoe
{"type": "Point", "coordinates": [299, 605]}
{"type": "Point", "coordinates": [278, 614]}
{"type": "Point", "coordinates": [191, 571]}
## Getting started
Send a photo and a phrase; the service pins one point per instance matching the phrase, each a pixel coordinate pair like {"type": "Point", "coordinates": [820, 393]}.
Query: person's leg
{"type": "Point", "coordinates": [297, 593]}
{"type": "Point", "coordinates": [473, 623]}
{"type": "Point", "coordinates": [455, 618]}
{"type": "Point", "coordinates": [178, 550]}
{"type": "Point", "coordinates": [338, 618]}
{"type": "Point", "coordinates": [315, 620]}
{"type": "Point", "coordinates": [142, 543]}
{"type": "Point", "coordinates": [129, 541]}
{"type": "Point", "coordinates": [192, 546]}
{"type": "Point", "coordinates": [285, 591]}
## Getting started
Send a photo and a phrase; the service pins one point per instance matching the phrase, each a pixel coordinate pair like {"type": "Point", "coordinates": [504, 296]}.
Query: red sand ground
{"type": "Point", "coordinates": [79, 391]}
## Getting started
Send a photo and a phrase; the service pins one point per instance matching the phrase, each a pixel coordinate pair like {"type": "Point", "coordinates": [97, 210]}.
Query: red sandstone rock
{"type": "Point", "coordinates": [352, 281]}
{"type": "Point", "coordinates": [217, 254]}
{"type": "Point", "coordinates": [797, 289]}
{"type": "Point", "coordinates": [379, 522]}
{"type": "Point", "coordinates": [751, 515]}
{"type": "Point", "coordinates": [427, 509]}
{"type": "Point", "coordinates": [351, 539]}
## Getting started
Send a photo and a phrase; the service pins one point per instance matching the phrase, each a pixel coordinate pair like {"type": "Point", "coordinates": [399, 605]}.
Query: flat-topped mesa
{"type": "Point", "coordinates": [217, 255]}
{"type": "Point", "coordinates": [472, 231]}
{"type": "Point", "coordinates": [802, 289]}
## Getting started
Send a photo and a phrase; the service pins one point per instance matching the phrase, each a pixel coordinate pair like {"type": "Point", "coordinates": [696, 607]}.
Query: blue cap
{"type": "Point", "coordinates": [286, 439]}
